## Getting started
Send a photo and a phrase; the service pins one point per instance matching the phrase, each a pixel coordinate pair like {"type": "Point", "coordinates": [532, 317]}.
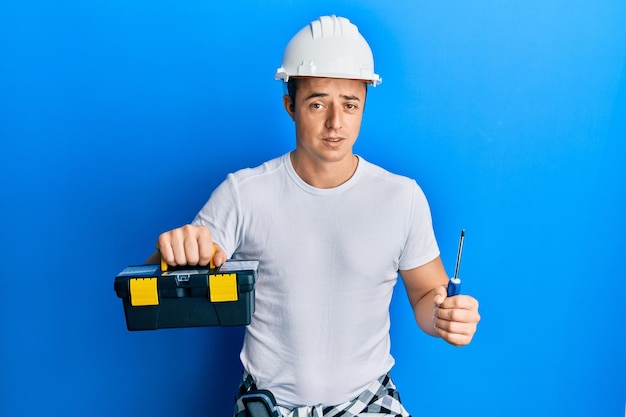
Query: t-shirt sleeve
{"type": "Point", "coordinates": [219, 215]}
{"type": "Point", "coordinates": [421, 245]}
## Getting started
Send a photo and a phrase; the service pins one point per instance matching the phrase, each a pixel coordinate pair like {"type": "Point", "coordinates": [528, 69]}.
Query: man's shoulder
{"type": "Point", "coordinates": [382, 174]}
{"type": "Point", "coordinates": [267, 168]}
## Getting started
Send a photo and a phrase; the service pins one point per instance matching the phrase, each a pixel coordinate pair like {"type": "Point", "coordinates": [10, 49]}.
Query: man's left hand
{"type": "Point", "coordinates": [455, 318]}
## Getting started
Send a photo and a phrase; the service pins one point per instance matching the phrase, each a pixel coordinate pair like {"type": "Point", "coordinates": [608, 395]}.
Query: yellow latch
{"type": "Point", "coordinates": [223, 287]}
{"type": "Point", "coordinates": [143, 292]}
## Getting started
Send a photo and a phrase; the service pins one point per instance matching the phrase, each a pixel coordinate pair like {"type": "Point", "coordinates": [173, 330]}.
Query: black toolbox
{"type": "Point", "coordinates": [158, 296]}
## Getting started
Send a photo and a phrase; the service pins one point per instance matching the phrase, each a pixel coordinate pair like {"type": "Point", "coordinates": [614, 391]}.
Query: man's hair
{"type": "Point", "coordinates": [292, 86]}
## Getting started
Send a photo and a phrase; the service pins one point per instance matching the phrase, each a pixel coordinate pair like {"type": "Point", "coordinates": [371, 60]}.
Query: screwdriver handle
{"type": "Point", "coordinates": [454, 287]}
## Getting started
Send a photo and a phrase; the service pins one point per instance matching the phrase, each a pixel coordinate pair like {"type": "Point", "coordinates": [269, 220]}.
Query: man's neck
{"type": "Point", "coordinates": [324, 174]}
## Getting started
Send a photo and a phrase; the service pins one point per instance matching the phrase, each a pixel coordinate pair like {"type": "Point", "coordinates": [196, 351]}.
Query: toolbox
{"type": "Point", "coordinates": [159, 296]}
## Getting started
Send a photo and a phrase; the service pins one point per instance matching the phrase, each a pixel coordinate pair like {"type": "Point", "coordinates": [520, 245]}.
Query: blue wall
{"type": "Point", "coordinates": [118, 118]}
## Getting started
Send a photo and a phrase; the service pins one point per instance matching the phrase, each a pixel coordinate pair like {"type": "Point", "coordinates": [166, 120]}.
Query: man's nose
{"type": "Point", "coordinates": [334, 119]}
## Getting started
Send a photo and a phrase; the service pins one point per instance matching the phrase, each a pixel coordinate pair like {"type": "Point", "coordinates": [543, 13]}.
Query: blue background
{"type": "Point", "coordinates": [118, 118]}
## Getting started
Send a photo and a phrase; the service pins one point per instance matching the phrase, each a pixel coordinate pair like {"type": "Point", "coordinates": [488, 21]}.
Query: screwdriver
{"type": "Point", "coordinates": [454, 285]}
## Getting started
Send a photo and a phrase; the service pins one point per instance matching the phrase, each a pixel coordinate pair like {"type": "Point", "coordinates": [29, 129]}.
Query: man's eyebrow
{"type": "Point", "coordinates": [344, 96]}
{"type": "Point", "coordinates": [316, 95]}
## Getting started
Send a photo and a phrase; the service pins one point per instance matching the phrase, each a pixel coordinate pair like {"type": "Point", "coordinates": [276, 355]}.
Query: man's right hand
{"type": "Point", "coordinates": [189, 245]}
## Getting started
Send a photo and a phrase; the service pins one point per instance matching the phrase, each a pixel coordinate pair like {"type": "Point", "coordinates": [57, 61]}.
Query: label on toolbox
{"type": "Point", "coordinates": [235, 265]}
{"type": "Point", "coordinates": [137, 270]}
{"type": "Point", "coordinates": [185, 272]}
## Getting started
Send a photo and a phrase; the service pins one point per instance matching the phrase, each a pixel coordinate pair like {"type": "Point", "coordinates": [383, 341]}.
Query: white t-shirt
{"type": "Point", "coordinates": [328, 262]}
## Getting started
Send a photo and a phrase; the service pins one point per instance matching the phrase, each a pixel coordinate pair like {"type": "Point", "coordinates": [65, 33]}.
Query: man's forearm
{"type": "Point", "coordinates": [424, 312]}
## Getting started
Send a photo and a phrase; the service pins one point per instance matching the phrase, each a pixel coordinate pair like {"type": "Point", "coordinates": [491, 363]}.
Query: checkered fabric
{"type": "Point", "coordinates": [380, 399]}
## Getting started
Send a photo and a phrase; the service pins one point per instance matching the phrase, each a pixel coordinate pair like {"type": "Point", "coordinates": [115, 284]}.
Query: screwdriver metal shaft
{"type": "Point", "coordinates": [454, 285]}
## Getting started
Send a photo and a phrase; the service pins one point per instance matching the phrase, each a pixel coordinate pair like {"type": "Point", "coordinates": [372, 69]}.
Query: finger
{"type": "Point", "coordinates": [165, 247]}
{"type": "Point", "coordinates": [456, 339]}
{"type": "Point", "coordinates": [199, 246]}
{"type": "Point", "coordinates": [448, 328]}
{"type": "Point", "coordinates": [465, 302]}
{"type": "Point", "coordinates": [458, 327]}
{"type": "Point", "coordinates": [206, 247]}
{"type": "Point", "coordinates": [440, 295]}
{"type": "Point", "coordinates": [191, 255]}
{"type": "Point", "coordinates": [458, 315]}
{"type": "Point", "coordinates": [219, 256]}
{"type": "Point", "coordinates": [182, 245]}
{"type": "Point", "coordinates": [205, 252]}
{"type": "Point", "coordinates": [189, 245]}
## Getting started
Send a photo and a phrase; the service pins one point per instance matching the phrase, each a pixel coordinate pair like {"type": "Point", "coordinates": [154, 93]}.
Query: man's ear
{"type": "Point", "coordinates": [289, 106]}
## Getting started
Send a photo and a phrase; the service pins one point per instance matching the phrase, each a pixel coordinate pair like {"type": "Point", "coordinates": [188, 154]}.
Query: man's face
{"type": "Point", "coordinates": [328, 114]}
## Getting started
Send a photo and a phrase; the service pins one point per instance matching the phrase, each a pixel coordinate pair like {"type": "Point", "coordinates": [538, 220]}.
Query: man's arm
{"type": "Point", "coordinates": [452, 318]}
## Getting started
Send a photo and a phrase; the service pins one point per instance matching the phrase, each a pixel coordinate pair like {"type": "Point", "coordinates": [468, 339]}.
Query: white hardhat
{"type": "Point", "coordinates": [330, 47]}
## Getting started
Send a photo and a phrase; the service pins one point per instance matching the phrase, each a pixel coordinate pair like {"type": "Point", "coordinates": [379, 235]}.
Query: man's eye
{"type": "Point", "coordinates": [316, 106]}
{"type": "Point", "coordinates": [350, 106]}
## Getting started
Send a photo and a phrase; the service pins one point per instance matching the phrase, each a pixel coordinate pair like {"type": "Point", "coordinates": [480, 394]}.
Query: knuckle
{"type": "Point", "coordinates": [188, 229]}
{"type": "Point", "coordinates": [442, 333]}
{"type": "Point", "coordinates": [458, 315]}
{"type": "Point", "coordinates": [452, 327]}
{"type": "Point", "coordinates": [439, 324]}
{"type": "Point", "coordinates": [172, 237]}
{"type": "Point", "coordinates": [163, 239]}
{"type": "Point", "coordinates": [205, 255]}
{"type": "Point", "coordinates": [180, 259]}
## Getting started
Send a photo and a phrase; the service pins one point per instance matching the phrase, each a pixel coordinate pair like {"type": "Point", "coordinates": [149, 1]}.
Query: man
{"type": "Point", "coordinates": [330, 232]}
